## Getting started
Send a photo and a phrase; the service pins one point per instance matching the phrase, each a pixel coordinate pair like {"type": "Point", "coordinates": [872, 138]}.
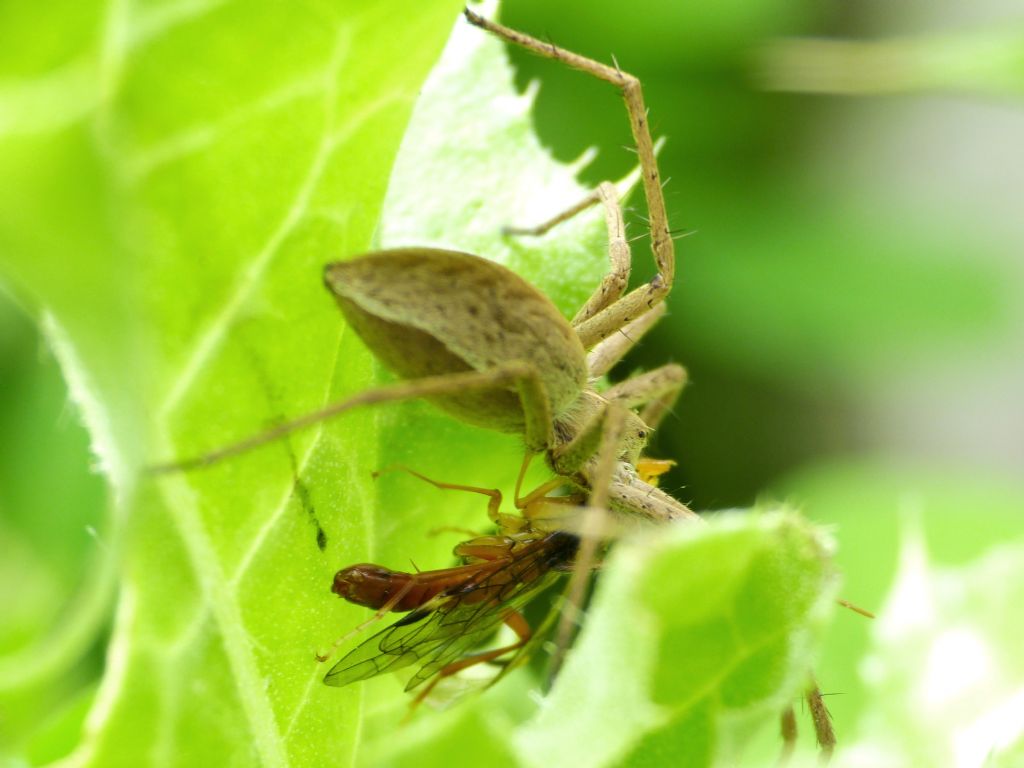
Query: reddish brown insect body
{"type": "Point", "coordinates": [452, 610]}
{"type": "Point", "coordinates": [375, 586]}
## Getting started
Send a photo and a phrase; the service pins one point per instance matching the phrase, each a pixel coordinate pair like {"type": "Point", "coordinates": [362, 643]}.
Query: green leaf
{"type": "Point", "coordinates": [175, 177]}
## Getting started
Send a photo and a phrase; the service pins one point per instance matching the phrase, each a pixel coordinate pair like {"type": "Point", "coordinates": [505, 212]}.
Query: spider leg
{"type": "Point", "coordinates": [656, 390]}
{"type": "Point", "coordinates": [536, 409]}
{"type": "Point", "coordinates": [607, 353]}
{"type": "Point", "coordinates": [586, 557]}
{"type": "Point", "coordinates": [788, 731]}
{"type": "Point", "coordinates": [620, 313]}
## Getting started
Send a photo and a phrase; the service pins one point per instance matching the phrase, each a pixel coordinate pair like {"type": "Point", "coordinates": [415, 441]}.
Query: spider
{"type": "Point", "coordinates": [483, 344]}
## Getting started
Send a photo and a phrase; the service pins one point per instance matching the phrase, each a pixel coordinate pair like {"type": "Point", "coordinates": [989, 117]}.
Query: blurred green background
{"type": "Point", "coordinates": [848, 304]}
{"type": "Point", "coordinates": [848, 301]}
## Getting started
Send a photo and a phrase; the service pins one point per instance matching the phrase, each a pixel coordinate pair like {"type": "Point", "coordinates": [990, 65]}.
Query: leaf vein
{"type": "Point", "coordinates": [198, 137]}
{"type": "Point", "coordinates": [237, 645]}
{"type": "Point", "coordinates": [211, 338]}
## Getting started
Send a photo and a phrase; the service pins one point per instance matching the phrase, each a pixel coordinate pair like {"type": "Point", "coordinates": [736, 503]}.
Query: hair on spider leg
{"type": "Point", "coordinates": [675, 234]}
{"type": "Point", "coordinates": [623, 334]}
{"type": "Point", "coordinates": [680, 234]}
{"type": "Point", "coordinates": [551, 44]}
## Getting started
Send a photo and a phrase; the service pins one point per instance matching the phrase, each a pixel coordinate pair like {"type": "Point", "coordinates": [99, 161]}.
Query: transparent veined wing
{"type": "Point", "coordinates": [460, 619]}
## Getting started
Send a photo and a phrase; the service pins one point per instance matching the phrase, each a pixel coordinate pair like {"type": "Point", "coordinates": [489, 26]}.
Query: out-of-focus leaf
{"type": "Point", "coordinates": [58, 734]}
{"type": "Point", "coordinates": [960, 514]}
{"type": "Point", "coordinates": [56, 581]}
{"type": "Point", "coordinates": [945, 674]}
{"type": "Point", "coordinates": [980, 62]}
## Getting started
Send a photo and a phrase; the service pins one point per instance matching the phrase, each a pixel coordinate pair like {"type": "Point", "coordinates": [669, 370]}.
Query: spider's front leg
{"type": "Point", "coordinates": [656, 390]}
{"type": "Point", "coordinates": [641, 300]}
{"type": "Point", "coordinates": [613, 285]}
